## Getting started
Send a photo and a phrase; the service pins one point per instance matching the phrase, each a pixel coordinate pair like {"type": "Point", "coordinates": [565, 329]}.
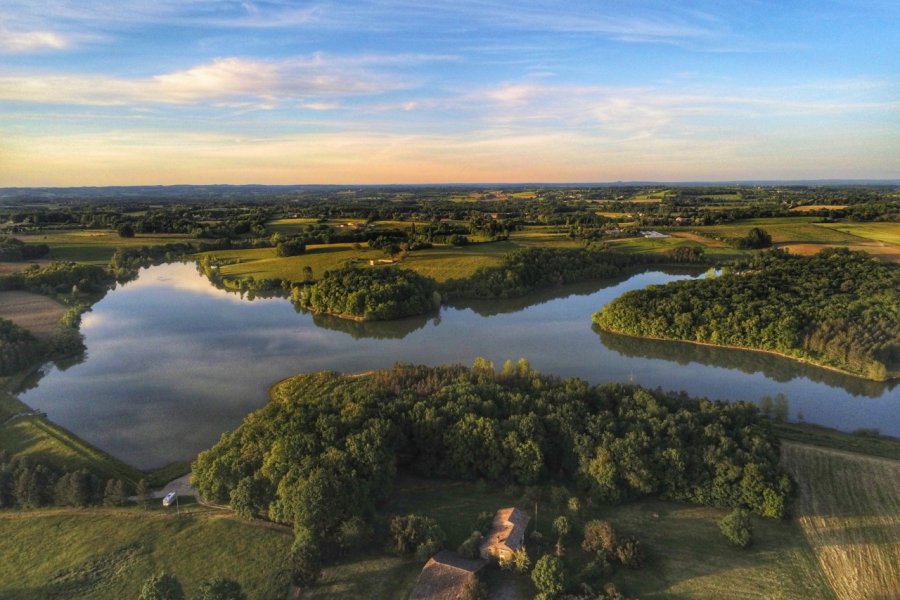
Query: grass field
{"type": "Point", "coordinates": [849, 510]}
{"type": "Point", "coordinates": [107, 554]}
{"type": "Point", "coordinates": [45, 442]}
{"type": "Point", "coordinates": [888, 233]}
{"type": "Point", "coordinates": [96, 246]}
{"type": "Point", "coordinates": [442, 262]}
{"type": "Point", "coordinates": [803, 235]}
{"type": "Point", "coordinates": [644, 245]}
{"type": "Point", "coordinates": [38, 314]}
{"type": "Point", "coordinates": [871, 445]}
{"type": "Point", "coordinates": [817, 207]}
{"type": "Point", "coordinates": [687, 556]}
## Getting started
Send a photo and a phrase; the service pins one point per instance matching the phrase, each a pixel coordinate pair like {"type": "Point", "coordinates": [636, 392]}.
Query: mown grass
{"type": "Point", "coordinates": [787, 230]}
{"type": "Point", "coordinates": [863, 442]}
{"type": "Point", "coordinates": [107, 554]}
{"type": "Point", "coordinates": [687, 555]}
{"type": "Point", "coordinates": [642, 245]}
{"type": "Point", "coordinates": [888, 233]}
{"type": "Point", "coordinates": [849, 510]}
{"type": "Point", "coordinates": [47, 443]}
{"type": "Point", "coordinates": [96, 246]}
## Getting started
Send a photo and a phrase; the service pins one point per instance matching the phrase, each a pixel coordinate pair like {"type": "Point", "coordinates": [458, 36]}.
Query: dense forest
{"type": "Point", "coordinates": [376, 294]}
{"type": "Point", "coordinates": [18, 348]}
{"type": "Point", "coordinates": [327, 448]}
{"type": "Point", "coordinates": [837, 308]}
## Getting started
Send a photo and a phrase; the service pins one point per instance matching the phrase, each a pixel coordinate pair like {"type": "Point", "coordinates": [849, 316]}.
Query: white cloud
{"type": "Point", "coordinates": [30, 41]}
{"type": "Point", "coordinates": [225, 79]}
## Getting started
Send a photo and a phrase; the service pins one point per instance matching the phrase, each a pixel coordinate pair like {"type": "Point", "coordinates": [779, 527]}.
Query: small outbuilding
{"type": "Point", "coordinates": [507, 534]}
{"type": "Point", "coordinates": [445, 577]}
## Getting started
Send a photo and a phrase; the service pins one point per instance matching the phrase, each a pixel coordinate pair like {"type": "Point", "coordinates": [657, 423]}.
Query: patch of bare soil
{"type": "Point", "coordinates": [687, 235]}
{"type": "Point", "coordinates": [38, 314]}
{"type": "Point", "coordinates": [7, 268]}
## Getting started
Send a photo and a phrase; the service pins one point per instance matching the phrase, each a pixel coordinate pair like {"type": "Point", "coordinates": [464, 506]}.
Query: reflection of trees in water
{"type": "Point", "coordinates": [30, 381]}
{"type": "Point", "coordinates": [382, 330]}
{"type": "Point", "coordinates": [774, 367]}
{"type": "Point", "coordinates": [488, 307]}
{"type": "Point", "coordinates": [492, 307]}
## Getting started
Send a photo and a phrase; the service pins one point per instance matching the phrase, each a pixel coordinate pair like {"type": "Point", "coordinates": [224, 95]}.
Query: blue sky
{"type": "Point", "coordinates": [177, 91]}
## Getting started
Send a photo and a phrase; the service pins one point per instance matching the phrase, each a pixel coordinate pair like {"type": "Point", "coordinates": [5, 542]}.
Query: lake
{"type": "Point", "coordinates": [173, 362]}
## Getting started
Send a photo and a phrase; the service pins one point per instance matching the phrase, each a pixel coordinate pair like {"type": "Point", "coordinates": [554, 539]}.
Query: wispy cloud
{"type": "Point", "coordinates": [30, 41]}
{"type": "Point", "coordinates": [229, 80]}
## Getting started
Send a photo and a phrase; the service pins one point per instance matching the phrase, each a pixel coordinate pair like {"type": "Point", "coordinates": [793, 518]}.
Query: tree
{"type": "Point", "coordinates": [142, 491]}
{"type": "Point", "coordinates": [306, 559]}
{"type": "Point", "coordinates": [248, 497]}
{"type": "Point", "coordinates": [162, 586]}
{"type": "Point", "coordinates": [125, 230]}
{"type": "Point", "coordinates": [114, 493]}
{"type": "Point", "coordinates": [561, 527]}
{"type": "Point", "coordinates": [599, 536]}
{"type": "Point", "coordinates": [736, 527]}
{"type": "Point", "coordinates": [521, 562]}
{"type": "Point", "coordinates": [414, 534]}
{"type": "Point", "coordinates": [220, 589]}
{"type": "Point", "coordinates": [756, 238]}
{"type": "Point", "coordinates": [548, 577]}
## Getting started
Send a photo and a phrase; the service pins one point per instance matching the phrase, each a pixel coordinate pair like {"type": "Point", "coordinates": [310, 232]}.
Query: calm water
{"type": "Point", "coordinates": [172, 362]}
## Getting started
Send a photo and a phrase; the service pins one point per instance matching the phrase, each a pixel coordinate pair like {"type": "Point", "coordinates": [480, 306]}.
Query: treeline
{"type": "Point", "coordinates": [525, 270]}
{"type": "Point", "coordinates": [26, 484]}
{"type": "Point", "coordinates": [326, 449]}
{"type": "Point", "coordinates": [14, 250]}
{"type": "Point", "coordinates": [18, 348]}
{"type": "Point", "coordinates": [837, 308]}
{"type": "Point", "coordinates": [59, 278]}
{"type": "Point", "coordinates": [373, 294]}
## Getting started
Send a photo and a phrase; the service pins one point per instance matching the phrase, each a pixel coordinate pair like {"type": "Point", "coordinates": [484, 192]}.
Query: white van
{"type": "Point", "coordinates": [169, 499]}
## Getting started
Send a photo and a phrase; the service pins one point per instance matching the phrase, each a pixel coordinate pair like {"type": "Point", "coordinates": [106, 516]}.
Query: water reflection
{"type": "Point", "coordinates": [773, 367]}
{"type": "Point", "coordinates": [379, 330]}
{"type": "Point", "coordinates": [173, 362]}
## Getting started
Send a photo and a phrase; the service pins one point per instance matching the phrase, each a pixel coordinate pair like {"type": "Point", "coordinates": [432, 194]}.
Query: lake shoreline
{"type": "Point", "coordinates": [798, 359]}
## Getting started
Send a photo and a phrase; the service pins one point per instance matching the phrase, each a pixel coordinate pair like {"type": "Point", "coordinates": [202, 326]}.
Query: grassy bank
{"type": "Point", "coordinates": [108, 553]}
{"type": "Point", "coordinates": [37, 438]}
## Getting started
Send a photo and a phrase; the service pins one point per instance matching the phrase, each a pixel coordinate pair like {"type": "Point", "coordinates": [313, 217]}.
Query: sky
{"type": "Point", "coordinates": [145, 92]}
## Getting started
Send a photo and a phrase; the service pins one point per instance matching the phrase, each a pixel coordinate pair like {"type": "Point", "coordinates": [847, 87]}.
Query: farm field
{"type": "Point", "coordinates": [442, 262]}
{"type": "Point", "coordinates": [38, 314]}
{"type": "Point", "coordinates": [107, 553]}
{"type": "Point", "coordinates": [849, 510]}
{"type": "Point", "coordinates": [804, 235]}
{"type": "Point", "coordinates": [888, 233]}
{"type": "Point", "coordinates": [96, 246]}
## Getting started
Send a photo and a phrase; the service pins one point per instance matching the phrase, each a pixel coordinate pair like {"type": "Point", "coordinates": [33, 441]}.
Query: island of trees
{"type": "Point", "coordinates": [837, 308]}
{"type": "Point", "coordinates": [327, 448]}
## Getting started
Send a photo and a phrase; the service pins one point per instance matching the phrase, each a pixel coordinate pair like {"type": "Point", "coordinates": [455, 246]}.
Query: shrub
{"type": "Point", "coordinates": [630, 553]}
{"type": "Point", "coordinates": [736, 528]}
{"type": "Point", "coordinates": [407, 534]}
{"type": "Point", "coordinates": [599, 537]}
